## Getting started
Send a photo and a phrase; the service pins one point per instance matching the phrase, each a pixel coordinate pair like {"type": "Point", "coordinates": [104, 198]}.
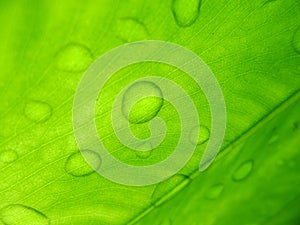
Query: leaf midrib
{"type": "Point", "coordinates": [238, 140]}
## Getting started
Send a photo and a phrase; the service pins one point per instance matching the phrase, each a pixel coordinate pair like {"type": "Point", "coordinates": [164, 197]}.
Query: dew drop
{"type": "Point", "coordinates": [8, 156]}
{"type": "Point", "coordinates": [38, 111]}
{"type": "Point", "coordinates": [186, 12]}
{"type": "Point", "coordinates": [144, 154]}
{"type": "Point", "coordinates": [76, 164]}
{"type": "Point", "coordinates": [201, 138]}
{"type": "Point", "coordinates": [296, 40]}
{"type": "Point", "coordinates": [131, 29]}
{"type": "Point", "coordinates": [73, 58]}
{"type": "Point", "coordinates": [145, 108]}
{"type": "Point", "coordinates": [214, 191]}
{"type": "Point", "coordinates": [243, 171]}
{"type": "Point", "coordinates": [18, 214]}
{"type": "Point", "coordinates": [166, 189]}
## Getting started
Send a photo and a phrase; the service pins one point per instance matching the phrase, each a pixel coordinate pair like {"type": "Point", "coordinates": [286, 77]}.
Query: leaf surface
{"type": "Point", "coordinates": [252, 47]}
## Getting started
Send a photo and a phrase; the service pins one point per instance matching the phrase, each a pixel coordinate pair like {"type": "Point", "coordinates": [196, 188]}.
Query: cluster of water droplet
{"type": "Point", "coordinates": [75, 57]}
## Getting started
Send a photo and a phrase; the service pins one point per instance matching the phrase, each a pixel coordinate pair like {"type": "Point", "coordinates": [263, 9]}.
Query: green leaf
{"type": "Point", "coordinates": [252, 47]}
{"type": "Point", "coordinates": [256, 181]}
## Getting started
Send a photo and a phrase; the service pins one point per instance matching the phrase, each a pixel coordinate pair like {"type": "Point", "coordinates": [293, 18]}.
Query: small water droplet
{"type": "Point", "coordinates": [73, 58]}
{"type": "Point", "coordinates": [144, 154]}
{"type": "Point", "coordinates": [214, 191]}
{"type": "Point", "coordinates": [273, 139]}
{"type": "Point", "coordinates": [76, 164]}
{"type": "Point", "coordinates": [243, 171]}
{"type": "Point", "coordinates": [8, 156]}
{"type": "Point", "coordinates": [296, 40]}
{"type": "Point", "coordinates": [166, 189]}
{"type": "Point", "coordinates": [131, 29]}
{"type": "Point", "coordinates": [145, 108]}
{"type": "Point", "coordinates": [202, 137]}
{"type": "Point", "coordinates": [38, 111]}
{"type": "Point", "coordinates": [186, 12]}
{"type": "Point", "coordinates": [17, 214]}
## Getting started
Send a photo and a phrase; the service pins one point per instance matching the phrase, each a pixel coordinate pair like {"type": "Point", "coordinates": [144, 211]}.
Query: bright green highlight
{"type": "Point", "coordinates": [252, 48]}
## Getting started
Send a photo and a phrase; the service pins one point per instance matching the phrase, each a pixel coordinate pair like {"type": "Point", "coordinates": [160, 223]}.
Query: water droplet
{"type": "Point", "coordinates": [144, 154]}
{"type": "Point", "coordinates": [214, 191]}
{"type": "Point", "coordinates": [76, 164]}
{"type": "Point", "coordinates": [73, 58]}
{"type": "Point", "coordinates": [131, 29]}
{"type": "Point", "coordinates": [145, 108]}
{"type": "Point", "coordinates": [166, 189]}
{"type": "Point", "coordinates": [202, 137]}
{"type": "Point", "coordinates": [18, 214]}
{"type": "Point", "coordinates": [273, 139]}
{"type": "Point", "coordinates": [38, 111]}
{"type": "Point", "coordinates": [8, 156]}
{"type": "Point", "coordinates": [186, 12]}
{"type": "Point", "coordinates": [243, 171]}
{"type": "Point", "coordinates": [296, 40]}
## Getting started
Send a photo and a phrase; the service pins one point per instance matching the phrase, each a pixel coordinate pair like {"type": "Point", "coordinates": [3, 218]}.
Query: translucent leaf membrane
{"type": "Point", "coordinates": [252, 48]}
{"type": "Point", "coordinates": [255, 182]}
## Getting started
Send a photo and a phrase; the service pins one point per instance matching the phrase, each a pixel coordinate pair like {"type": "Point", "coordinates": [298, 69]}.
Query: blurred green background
{"type": "Point", "coordinates": [252, 47]}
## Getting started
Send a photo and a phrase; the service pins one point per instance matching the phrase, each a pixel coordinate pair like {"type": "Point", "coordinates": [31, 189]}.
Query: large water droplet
{"type": "Point", "coordinates": [202, 137]}
{"type": "Point", "coordinates": [131, 29]}
{"type": "Point", "coordinates": [38, 111]}
{"type": "Point", "coordinates": [144, 154]}
{"type": "Point", "coordinates": [214, 191]}
{"type": "Point", "coordinates": [166, 189]}
{"type": "Point", "coordinates": [243, 171]}
{"type": "Point", "coordinates": [296, 40]}
{"type": "Point", "coordinates": [17, 214]}
{"type": "Point", "coordinates": [186, 12]}
{"type": "Point", "coordinates": [73, 58]}
{"type": "Point", "coordinates": [76, 164]}
{"type": "Point", "coordinates": [145, 108]}
{"type": "Point", "coordinates": [8, 156]}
